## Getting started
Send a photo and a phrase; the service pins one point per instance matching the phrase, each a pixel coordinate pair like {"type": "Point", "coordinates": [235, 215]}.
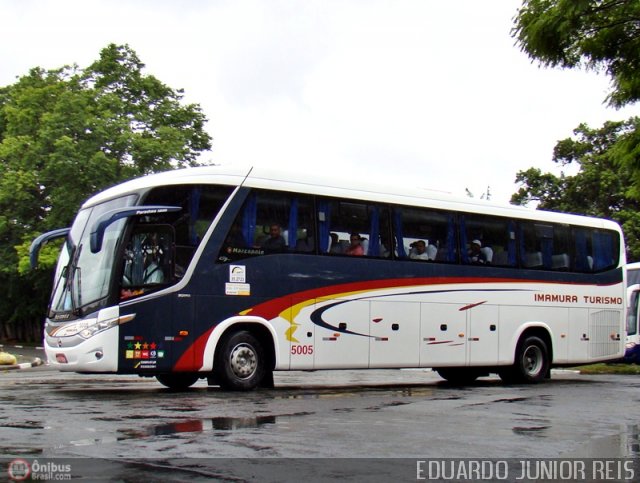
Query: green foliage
{"type": "Point", "coordinates": [597, 34]}
{"type": "Point", "coordinates": [602, 187]}
{"type": "Point", "coordinates": [604, 368]}
{"type": "Point", "coordinates": [68, 133]}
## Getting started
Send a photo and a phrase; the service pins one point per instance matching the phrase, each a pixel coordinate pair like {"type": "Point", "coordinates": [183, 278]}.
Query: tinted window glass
{"type": "Point", "coordinates": [488, 241]}
{"type": "Point", "coordinates": [424, 234]}
{"type": "Point", "coordinates": [271, 222]}
{"type": "Point", "coordinates": [354, 228]}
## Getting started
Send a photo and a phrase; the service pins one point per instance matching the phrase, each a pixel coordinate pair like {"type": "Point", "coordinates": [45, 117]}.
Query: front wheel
{"type": "Point", "coordinates": [532, 362]}
{"type": "Point", "coordinates": [240, 362]}
{"type": "Point", "coordinates": [177, 381]}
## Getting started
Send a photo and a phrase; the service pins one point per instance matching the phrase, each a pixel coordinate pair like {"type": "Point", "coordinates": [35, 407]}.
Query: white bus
{"type": "Point", "coordinates": [632, 349]}
{"type": "Point", "coordinates": [230, 274]}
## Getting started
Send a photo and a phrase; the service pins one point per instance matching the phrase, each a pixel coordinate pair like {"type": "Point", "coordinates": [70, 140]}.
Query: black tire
{"type": "Point", "coordinates": [178, 381]}
{"type": "Point", "coordinates": [532, 362]}
{"type": "Point", "coordinates": [240, 362]}
{"type": "Point", "coordinates": [459, 376]}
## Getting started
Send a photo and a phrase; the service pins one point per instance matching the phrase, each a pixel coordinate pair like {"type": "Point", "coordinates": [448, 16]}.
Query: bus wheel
{"type": "Point", "coordinates": [458, 376]}
{"type": "Point", "coordinates": [240, 362]}
{"type": "Point", "coordinates": [178, 381]}
{"type": "Point", "coordinates": [532, 362]}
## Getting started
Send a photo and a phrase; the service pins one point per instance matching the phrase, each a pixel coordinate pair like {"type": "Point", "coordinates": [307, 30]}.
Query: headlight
{"type": "Point", "coordinates": [98, 327]}
{"type": "Point", "coordinates": [88, 328]}
{"type": "Point", "coordinates": [85, 329]}
{"type": "Point", "coordinates": [72, 329]}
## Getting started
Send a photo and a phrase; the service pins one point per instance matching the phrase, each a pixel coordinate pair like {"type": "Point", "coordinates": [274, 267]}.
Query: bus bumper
{"type": "Point", "coordinates": [96, 354]}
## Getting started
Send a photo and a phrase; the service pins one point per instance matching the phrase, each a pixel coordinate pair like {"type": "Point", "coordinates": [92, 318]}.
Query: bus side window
{"type": "Point", "coordinates": [200, 204]}
{"type": "Point", "coordinates": [535, 245]}
{"type": "Point", "coordinates": [595, 250]}
{"type": "Point", "coordinates": [496, 237]}
{"type": "Point", "coordinates": [348, 227]}
{"type": "Point", "coordinates": [271, 222]}
{"type": "Point", "coordinates": [632, 314]}
{"type": "Point", "coordinates": [415, 227]}
{"type": "Point", "coordinates": [560, 259]}
{"type": "Point", "coordinates": [148, 260]}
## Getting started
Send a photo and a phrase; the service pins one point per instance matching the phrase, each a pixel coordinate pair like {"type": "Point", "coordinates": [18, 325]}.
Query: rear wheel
{"type": "Point", "coordinates": [177, 381]}
{"type": "Point", "coordinates": [458, 375]}
{"type": "Point", "coordinates": [240, 362]}
{"type": "Point", "coordinates": [531, 364]}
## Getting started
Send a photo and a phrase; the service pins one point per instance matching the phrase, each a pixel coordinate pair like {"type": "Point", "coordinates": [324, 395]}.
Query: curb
{"type": "Point", "coordinates": [2, 346]}
{"type": "Point", "coordinates": [25, 365]}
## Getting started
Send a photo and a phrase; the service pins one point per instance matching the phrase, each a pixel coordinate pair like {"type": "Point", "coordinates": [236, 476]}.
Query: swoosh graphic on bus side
{"type": "Point", "coordinates": [281, 306]}
{"type": "Point", "coordinates": [316, 318]}
{"type": "Point", "coordinates": [273, 308]}
{"type": "Point", "coordinates": [316, 315]}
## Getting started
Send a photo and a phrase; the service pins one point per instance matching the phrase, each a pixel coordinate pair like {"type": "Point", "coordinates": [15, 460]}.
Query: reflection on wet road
{"type": "Point", "coordinates": [402, 414]}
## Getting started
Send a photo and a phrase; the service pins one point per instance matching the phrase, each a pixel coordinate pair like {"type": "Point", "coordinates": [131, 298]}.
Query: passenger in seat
{"type": "Point", "coordinates": [275, 243]}
{"type": "Point", "coordinates": [419, 251]}
{"type": "Point", "coordinates": [355, 248]}
{"type": "Point", "coordinates": [475, 254]}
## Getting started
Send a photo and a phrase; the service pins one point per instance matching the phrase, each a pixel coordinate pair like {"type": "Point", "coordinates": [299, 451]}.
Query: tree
{"type": "Point", "coordinates": [66, 134]}
{"type": "Point", "coordinates": [600, 187]}
{"type": "Point", "coordinates": [597, 34]}
{"type": "Point", "coordinates": [603, 35]}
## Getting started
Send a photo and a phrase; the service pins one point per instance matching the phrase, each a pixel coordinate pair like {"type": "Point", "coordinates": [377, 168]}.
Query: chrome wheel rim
{"type": "Point", "coordinates": [243, 361]}
{"type": "Point", "coordinates": [532, 360]}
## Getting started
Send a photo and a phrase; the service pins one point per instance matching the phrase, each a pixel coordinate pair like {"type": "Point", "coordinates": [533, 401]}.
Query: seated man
{"type": "Point", "coordinates": [275, 243]}
{"type": "Point", "coordinates": [419, 251]}
{"type": "Point", "coordinates": [475, 254]}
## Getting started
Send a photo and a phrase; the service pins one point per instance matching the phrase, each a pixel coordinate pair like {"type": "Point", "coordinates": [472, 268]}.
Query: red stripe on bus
{"type": "Point", "coordinates": [193, 358]}
{"type": "Point", "coordinates": [271, 309]}
{"type": "Point", "coordinates": [470, 306]}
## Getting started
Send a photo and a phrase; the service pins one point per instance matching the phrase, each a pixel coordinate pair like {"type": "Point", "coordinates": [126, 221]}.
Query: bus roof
{"type": "Point", "coordinates": [336, 186]}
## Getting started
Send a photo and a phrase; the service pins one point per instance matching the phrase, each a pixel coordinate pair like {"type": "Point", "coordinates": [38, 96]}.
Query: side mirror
{"type": "Point", "coordinates": [99, 227]}
{"type": "Point", "coordinates": [36, 245]}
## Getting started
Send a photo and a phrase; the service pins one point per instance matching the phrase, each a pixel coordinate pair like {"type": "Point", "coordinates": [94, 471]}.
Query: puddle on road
{"type": "Point", "coordinates": [18, 451]}
{"type": "Point", "coordinates": [203, 425]}
{"type": "Point", "coordinates": [351, 391]}
{"type": "Point", "coordinates": [625, 444]}
{"type": "Point", "coordinates": [631, 439]}
{"type": "Point", "coordinates": [534, 431]}
{"type": "Point", "coordinates": [23, 425]}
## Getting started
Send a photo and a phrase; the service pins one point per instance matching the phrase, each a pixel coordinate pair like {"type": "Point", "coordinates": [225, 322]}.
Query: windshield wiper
{"type": "Point", "coordinates": [79, 308]}
{"type": "Point", "coordinates": [71, 275]}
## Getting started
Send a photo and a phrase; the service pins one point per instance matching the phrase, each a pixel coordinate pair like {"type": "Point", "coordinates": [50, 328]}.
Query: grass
{"type": "Point", "coordinates": [604, 368]}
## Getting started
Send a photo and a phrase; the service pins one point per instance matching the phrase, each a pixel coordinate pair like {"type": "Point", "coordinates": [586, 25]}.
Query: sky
{"type": "Point", "coordinates": [429, 93]}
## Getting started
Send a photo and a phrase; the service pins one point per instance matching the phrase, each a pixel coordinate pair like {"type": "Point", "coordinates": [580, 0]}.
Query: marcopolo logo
{"type": "Point", "coordinates": [20, 470]}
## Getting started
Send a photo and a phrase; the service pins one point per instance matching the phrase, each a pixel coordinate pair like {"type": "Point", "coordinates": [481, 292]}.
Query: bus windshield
{"type": "Point", "coordinates": [83, 278]}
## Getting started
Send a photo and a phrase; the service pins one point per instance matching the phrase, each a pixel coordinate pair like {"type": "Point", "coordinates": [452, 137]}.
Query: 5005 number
{"type": "Point", "coordinates": [301, 350]}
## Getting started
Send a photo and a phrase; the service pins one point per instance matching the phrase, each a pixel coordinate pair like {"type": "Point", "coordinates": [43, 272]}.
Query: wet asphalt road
{"type": "Point", "coordinates": [329, 414]}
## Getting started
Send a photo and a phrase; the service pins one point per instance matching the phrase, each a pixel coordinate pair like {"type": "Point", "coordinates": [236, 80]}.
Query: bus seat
{"type": "Point", "coordinates": [501, 258]}
{"type": "Point", "coordinates": [442, 255]}
{"type": "Point", "coordinates": [432, 252]}
{"type": "Point", "coordinates": [560, 261]}
{"type": "Point", "coordinates": [533, 259]}
{"type": "Point", "coordinates": [365, 245]}
{"type": "Point", "coordinates": [344, 244]}
{"type": "Point", "coordinates": [488, 253]}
